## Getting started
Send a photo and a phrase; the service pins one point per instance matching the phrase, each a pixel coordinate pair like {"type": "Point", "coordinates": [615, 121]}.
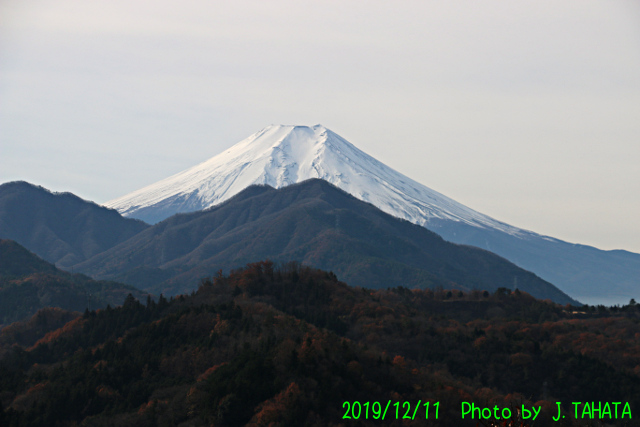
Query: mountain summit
{"type": "Point", "coordinates": [313, 222]}
{"type": "Point", "coordinates": [281, 155]}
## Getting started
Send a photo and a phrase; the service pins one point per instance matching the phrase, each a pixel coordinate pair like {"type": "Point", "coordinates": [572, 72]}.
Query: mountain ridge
{"type": "Point", "coordinates": [281, 155]}
{"type": "Point", "coordinates": [60, 227]}
{"type": "Point", "coordinates": [28, 283]}
{"type": "Point", "coordinates": [318, 224]}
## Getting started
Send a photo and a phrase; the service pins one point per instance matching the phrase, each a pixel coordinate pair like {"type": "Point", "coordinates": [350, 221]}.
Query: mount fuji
{"type": "Point", "coordinates": [283, 155]}
{"type": "Point", "coordinates": [280, 155]}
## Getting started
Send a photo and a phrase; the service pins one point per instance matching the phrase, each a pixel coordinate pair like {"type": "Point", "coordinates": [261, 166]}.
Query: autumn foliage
{"type": "Point", "coordinates": [287, 345]}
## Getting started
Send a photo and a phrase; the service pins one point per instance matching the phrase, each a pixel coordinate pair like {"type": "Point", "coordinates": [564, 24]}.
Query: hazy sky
{"type": "Point", "coordinates": [528, 111]}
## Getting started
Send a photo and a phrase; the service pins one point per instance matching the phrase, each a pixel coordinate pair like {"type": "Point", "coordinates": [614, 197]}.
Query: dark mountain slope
{"type": "Point", "coordinates": [317, 224]}
{"type": "Point", "coordinates": [589, 274]}
{"type": "Point", "coordinates": [288, 345]}
{"type": "Point", "coordinates": [280, 155]}
{"type": "Point", "coordinates": [60, 227]}
{"type": "Point", "coordinates": [15, 260]}
{"type": "Point", "coordinates": [27, 332]}
{"type": "Point", "coordinates": [28, 284]}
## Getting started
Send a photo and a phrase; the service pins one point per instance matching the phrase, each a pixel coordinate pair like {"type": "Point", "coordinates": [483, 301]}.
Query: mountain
{"type": "Point", "coordinates": [27, 332]}
{"type": "Point", "coordinates": [60, 227]}
{"type": "Point", "coordinates": [590, 275]}
{"type": "Point", "coordinates": [278, 156]}
{"type": "Point", "coordinates": [317, 224]}
{"type": "Point", "coordinates": [283, 155]}
{"type": "Point", "coordinates": [28, 284]}
{"type": "Point", "coordinates": [287, 345]}
{"type": "Point", "coordinates": [17, 261]}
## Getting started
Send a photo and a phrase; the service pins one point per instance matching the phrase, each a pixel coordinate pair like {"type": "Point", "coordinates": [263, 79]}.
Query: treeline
{"type": "Point", "coordinates": [28, 284]}
{"type": "Point", "coordinates": [288, 345]}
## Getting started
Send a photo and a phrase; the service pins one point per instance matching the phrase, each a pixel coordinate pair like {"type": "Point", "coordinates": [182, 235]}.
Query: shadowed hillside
{"type": "Point", "coordinates": [60, 227]}
{"type": "Point", "coordinates": [28, 283]}
{"type": "Point", "coordinates": [289, 345]}
{"type": "Point", "coordinates": [315, 223]}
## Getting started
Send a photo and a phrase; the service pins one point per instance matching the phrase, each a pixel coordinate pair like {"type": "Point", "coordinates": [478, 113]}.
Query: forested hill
{"type": "Point", "coordinates": [60, 227]}
{"type": "Point", "coordinates": [317, 224]}
{"type": "Point", "coordinates": [28, 283]}
{"type": "Point", "coordinates": [288, 345]}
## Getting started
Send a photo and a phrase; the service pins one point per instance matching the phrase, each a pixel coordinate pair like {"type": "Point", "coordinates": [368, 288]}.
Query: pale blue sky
{"type": "Point", "coordinates": [528, 111]}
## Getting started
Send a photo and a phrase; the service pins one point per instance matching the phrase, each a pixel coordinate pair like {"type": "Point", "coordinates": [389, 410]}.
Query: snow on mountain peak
{"type": "Point", "coordinates": [280, 155]}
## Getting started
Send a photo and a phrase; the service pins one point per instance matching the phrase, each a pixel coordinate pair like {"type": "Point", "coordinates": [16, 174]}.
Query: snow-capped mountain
{"type": "Point", "coordinates": [282, 155]}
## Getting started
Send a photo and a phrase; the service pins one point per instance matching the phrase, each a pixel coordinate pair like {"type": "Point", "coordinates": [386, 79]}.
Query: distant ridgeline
{"type": "Point", "coordinates": [317, 224]}
{"type": "Point", "coordinates": [60, 227]}
{"type": "Point", "coordinates": [289, 345]}
{"type": "Point", "coordinates": [28, 283]}
{"type": "Point", "coordinates": [282, 155]}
